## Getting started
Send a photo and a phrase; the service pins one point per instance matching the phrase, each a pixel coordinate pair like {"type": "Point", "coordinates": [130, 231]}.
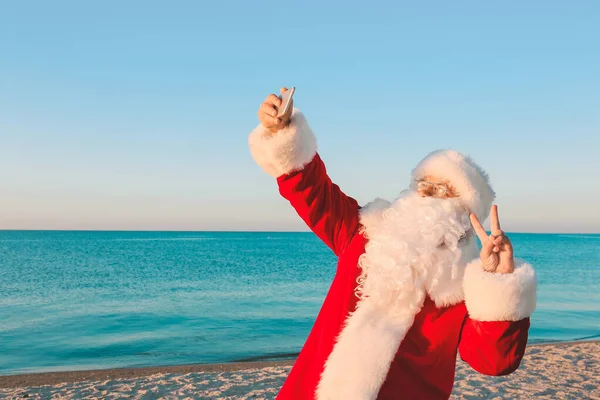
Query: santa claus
{"type": "Point", "coordinates": [411, 288]}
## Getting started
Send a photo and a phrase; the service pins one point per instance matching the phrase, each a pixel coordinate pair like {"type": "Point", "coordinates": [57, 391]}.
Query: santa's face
{"type": "Point", "coordinates": [440, 188]}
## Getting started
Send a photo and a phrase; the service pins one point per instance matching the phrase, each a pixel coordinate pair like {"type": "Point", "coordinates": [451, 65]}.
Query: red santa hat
{"type": "Point", "coordinates": [465, 175]}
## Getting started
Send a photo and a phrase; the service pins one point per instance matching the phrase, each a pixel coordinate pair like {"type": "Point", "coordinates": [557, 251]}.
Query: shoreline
{"type": "Point", "coordinates": [53, 378]}
{"type": "Point", "coordinates": [59, 377]}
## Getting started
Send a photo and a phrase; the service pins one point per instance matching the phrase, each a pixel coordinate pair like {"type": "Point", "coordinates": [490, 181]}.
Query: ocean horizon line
{"type": "Point", "coordinates": [242, 231]}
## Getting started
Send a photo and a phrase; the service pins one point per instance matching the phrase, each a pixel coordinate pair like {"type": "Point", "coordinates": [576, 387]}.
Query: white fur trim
{"type": "Point", "coordinates": [369, 340]}
{"type": "Point", "coordinates": [493, 296]}
{"type": "Point", "coordinates": [372, 213]}
{"type": "Point", "coordinates": [469, 179]}
{"type": "Point", "coordinates": [288, 150]}
{"type": "Point", "coordinates": [361, 358]}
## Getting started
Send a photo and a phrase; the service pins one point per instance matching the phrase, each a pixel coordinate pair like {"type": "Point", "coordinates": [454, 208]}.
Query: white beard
{"type": "Point", "coordinates": [416, 247]}
{"type": "Point", "coordinates": [420, 246]}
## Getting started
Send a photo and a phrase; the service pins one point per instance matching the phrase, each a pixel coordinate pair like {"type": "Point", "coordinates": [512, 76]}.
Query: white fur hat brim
{"type": "Point", "coordinates": [465, 175]}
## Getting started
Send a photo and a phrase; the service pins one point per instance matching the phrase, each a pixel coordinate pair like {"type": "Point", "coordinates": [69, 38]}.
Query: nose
{"type": "Point", "coordinates": [427, 192]}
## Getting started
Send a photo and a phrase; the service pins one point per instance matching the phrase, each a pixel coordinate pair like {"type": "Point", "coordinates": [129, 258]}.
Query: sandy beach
{"type": "Point", "coordinates": [549, 371]}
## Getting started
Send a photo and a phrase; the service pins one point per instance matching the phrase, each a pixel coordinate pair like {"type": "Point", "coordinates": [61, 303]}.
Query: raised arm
{"type": "Point", "coordinates": [500, 297]}
{"type": "Point", "coordinates": [287, 150]}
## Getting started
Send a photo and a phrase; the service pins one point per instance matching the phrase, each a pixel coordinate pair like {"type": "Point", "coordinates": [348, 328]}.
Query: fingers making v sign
{"type": "Point", "coordinates": [496, 249]}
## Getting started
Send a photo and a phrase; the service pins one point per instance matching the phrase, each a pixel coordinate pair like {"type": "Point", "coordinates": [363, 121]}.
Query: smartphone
{"type": "Point", "coordinates": [286, 101]}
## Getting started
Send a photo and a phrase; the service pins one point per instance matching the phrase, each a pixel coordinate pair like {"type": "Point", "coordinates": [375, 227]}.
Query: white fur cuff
{"type": "Point", "coordinates": [500, 297]}
{"type": "Point", "coordinates": [289, 150]}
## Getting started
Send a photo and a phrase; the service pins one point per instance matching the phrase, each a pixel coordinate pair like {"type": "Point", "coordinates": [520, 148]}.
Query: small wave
{"type": "Point", "coordinates": [160, 239]}
{"type": "Point", "coordinates": [579, 236]}
{"type": "Point", "coordinates": [589, 337]}
{"type": "Point", "coordinates": [553, 341]}
{"type": "Point", "coordinates": [267, 357]}
{"type": "Point", "coordinates": [23, 240]}
{"type": "Point", "coordinates": [543, 341]}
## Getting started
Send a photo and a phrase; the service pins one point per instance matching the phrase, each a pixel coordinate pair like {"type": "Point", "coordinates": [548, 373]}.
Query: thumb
{"type": "Point", "coordinates": [487, 248]}
{"type": "Point", "coordinates": [283, 90]}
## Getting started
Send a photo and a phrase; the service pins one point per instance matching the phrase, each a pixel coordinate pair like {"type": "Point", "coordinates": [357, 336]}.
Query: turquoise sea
{"type": "Point", "coordinates": [87, 300]}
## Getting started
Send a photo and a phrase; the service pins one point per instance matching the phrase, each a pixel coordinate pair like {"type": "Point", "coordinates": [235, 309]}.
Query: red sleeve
{"type": "Point", "coordinates": [327, 211]}
{"type": "Point", "coordinates": [493, 347]}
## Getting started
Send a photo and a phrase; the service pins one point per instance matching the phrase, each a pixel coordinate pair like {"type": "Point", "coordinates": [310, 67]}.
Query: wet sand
{"type": "Point", "coordinates": [551, 371]}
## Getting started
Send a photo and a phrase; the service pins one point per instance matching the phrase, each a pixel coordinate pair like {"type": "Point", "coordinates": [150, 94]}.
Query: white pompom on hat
{"type": "Point", "coordinates": [465, 175]}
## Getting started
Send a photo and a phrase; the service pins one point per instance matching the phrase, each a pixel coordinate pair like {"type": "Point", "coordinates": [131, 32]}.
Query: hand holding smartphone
{"type": "Point", "coordinates": [286, 102]}
{"type": "Point", "coordinates": [276, 111]}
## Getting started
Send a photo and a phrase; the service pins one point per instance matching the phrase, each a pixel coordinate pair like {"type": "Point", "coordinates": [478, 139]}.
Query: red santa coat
{"type": "Point", "coordinates": [487, 324]}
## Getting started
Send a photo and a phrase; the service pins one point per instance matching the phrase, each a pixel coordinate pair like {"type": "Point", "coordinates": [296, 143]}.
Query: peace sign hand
{"type": "Point", "coordinates": [496, 249]}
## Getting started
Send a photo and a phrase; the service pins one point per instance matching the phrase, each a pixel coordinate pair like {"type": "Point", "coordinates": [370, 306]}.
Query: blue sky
{"type": "Point", "coordinates": [135, 115]}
